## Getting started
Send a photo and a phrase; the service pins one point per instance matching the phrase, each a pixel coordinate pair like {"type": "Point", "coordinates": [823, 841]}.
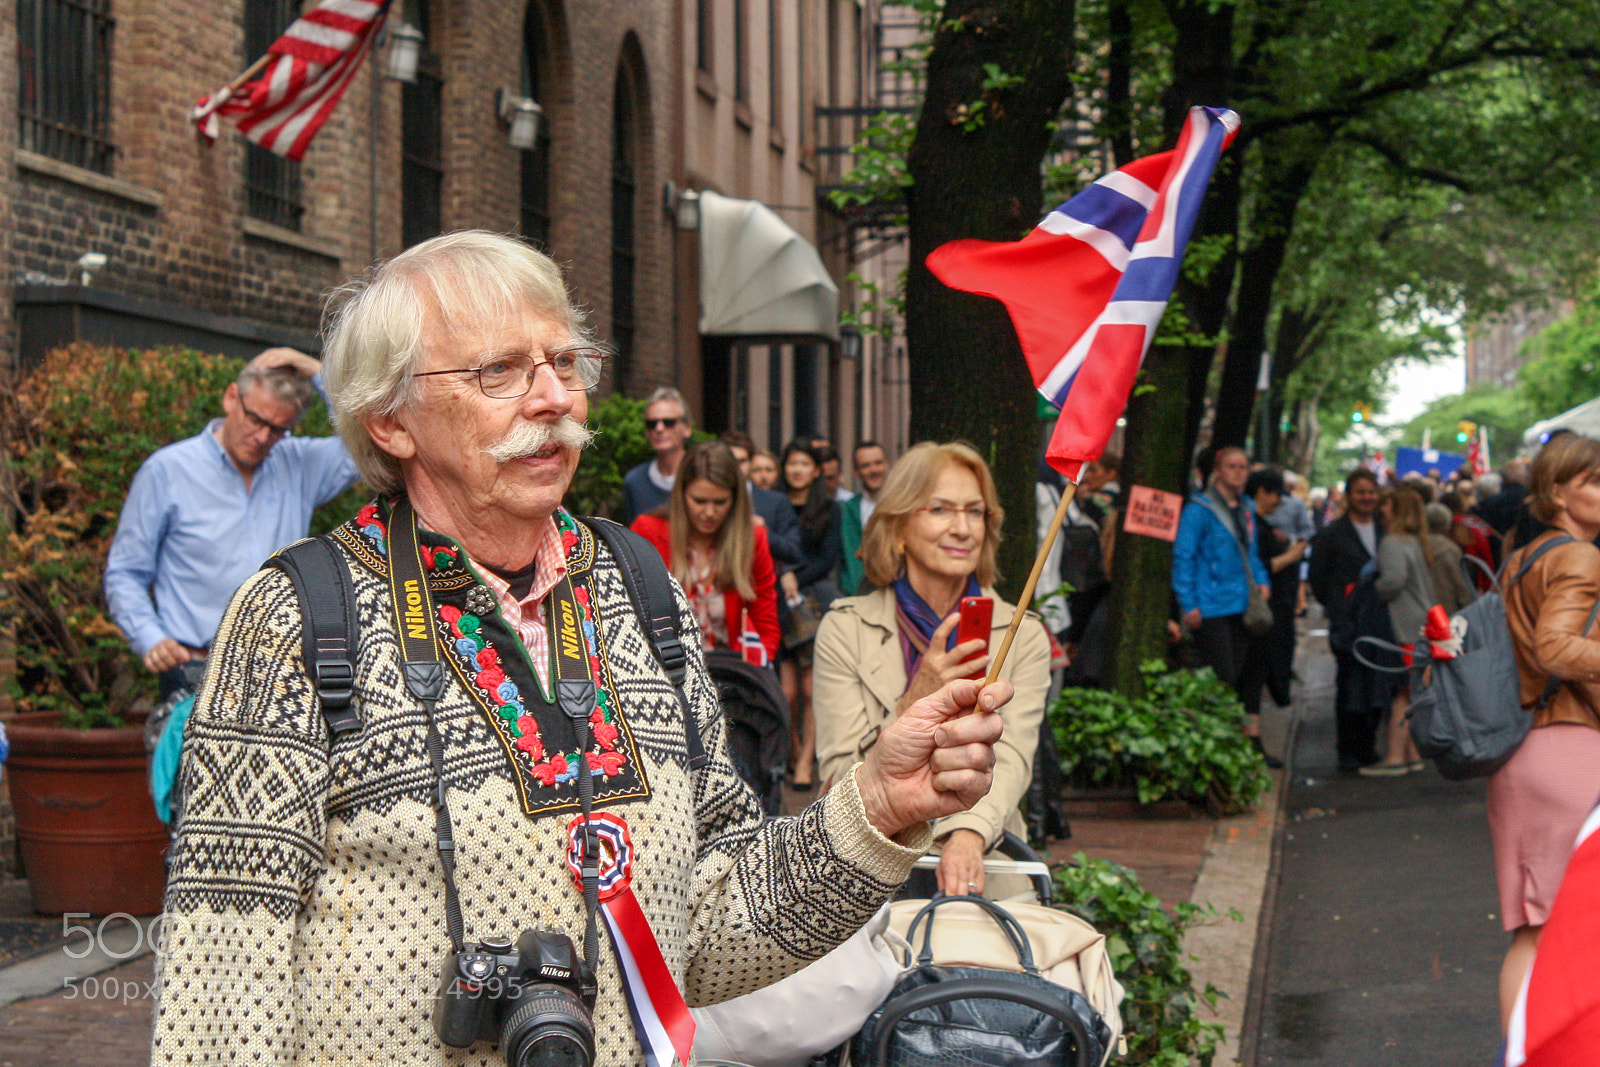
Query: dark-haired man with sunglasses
{"type": "Point", "coordinates": [667, 427]}
{"type": "Point", "coordinates": [203, 513]}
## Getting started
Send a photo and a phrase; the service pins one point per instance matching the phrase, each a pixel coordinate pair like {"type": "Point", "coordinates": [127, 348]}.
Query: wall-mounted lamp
{"type": "Point", "coordinates": [849, 342]}
{"type": "Point", "coordinates": [521, 115]}
{"type": "Point", "coordinates": [682, 206]}
{"type": "Point", "coordinates": [405, 52]}
{"type": "Point", "coordinates": [87, 264]}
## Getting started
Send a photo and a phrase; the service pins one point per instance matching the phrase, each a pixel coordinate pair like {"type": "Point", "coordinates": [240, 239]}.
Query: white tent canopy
{"type": "Point", "coordinates": [1584, 419]}
{"type": "Point", "coordinates": [758, 277]}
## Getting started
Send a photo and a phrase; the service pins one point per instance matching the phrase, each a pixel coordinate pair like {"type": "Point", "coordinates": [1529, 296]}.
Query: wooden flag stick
{"type": "Point", "coordinates": [255, 68]}
{"type": "Point", "coordinates": [1033, 579]}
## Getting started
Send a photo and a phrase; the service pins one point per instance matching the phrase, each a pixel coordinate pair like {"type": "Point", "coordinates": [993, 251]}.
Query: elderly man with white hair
{"type": "Point", "coordinates": [434, 879]}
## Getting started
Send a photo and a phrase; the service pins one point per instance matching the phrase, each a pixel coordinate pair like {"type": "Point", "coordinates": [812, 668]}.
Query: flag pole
{"type": "Point", "coordinates": [1026, 596]}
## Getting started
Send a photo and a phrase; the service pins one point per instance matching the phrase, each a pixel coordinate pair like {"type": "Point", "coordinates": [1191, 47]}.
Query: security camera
{"type": "Point", "coordinates": [87, 264]}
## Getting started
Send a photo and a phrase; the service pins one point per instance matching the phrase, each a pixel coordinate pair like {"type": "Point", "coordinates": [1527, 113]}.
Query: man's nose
{"type": "Point", "coordinates": [547, 394]}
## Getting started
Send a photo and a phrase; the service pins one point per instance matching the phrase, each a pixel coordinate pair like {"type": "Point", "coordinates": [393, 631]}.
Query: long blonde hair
{"type": "Point", "coordinates": [907, 488]}
{"type": "Point", "coordinates": [1409, 517]}
{"type": "Point", "coordinates": [735, 540]}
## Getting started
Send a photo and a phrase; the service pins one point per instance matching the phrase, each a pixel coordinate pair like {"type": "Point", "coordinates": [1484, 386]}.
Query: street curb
{"type": "Point", "coordinates": [54, 970]}
{"type": "Point", "coordinates": [1256, 1002]}
{"type": "Point", "coordinates": [1233, 877]}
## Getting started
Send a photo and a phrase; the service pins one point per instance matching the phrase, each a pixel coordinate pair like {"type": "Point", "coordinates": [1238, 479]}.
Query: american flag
{"type": "Point", "coordinates": [1556, 1021]}
{"type": "Point", "coordinates": [303, 75]}
{"type": "Point", "coordinates": [1088, 286]}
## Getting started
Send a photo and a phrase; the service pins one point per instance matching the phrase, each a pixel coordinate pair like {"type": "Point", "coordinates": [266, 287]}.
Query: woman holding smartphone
{"type": "Point", "coordinates": [931, 543]}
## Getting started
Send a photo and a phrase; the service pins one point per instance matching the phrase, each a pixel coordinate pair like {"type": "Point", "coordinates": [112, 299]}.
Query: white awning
{"type": "Point", "coordinates": [1583, 419]}
{"type": "Point", "coordinates": [758, 277]}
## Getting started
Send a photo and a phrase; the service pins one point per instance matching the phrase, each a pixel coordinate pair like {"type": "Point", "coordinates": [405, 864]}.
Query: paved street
{"type": "Point", "coordinates": [1385, 942]}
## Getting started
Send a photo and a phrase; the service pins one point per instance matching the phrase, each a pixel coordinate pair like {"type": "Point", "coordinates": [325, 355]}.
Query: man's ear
{"type": "Point", "coordinates": [389, 434]}
{"type": "Point", "coordinates": [230, 398]}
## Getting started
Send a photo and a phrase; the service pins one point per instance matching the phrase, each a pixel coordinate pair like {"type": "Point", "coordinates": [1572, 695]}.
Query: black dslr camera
{"type": "Point", "coordinates": [534, 1000]}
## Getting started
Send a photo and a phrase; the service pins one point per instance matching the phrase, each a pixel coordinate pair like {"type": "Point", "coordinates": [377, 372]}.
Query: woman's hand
{"type": "Point", "coordinates": [961, 863]}
{"type": "Point", "coordinates": [934, 760]}
{"type": "Point", "coordinates": [789, 584]}
{"type": "Point", "coordinates": [939, 668]}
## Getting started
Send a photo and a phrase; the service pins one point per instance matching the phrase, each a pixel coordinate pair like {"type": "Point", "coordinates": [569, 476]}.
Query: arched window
{"type": "Point", "coordinates": [535, 200]}
{"type": "Point", "coordinates": [422, 137]}
{"type": "Point", "coordinates": [624, 193]}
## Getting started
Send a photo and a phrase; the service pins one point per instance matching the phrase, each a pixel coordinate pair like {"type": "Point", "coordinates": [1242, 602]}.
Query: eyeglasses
{"type": "Point", "coordinates": [257, 423]}
{"type": "Point", "coordinates": [947, 514]}
{"type": "Point", "coordinates": [510, 376]}
{"type": "Point", "coordinates": [652, 424]}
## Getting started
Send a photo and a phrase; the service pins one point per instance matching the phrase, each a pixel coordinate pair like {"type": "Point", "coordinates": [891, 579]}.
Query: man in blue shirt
{"type": "Point", "coordinates": [204, 513]}
{"type": "Point", "coordinates": [1214, 564]}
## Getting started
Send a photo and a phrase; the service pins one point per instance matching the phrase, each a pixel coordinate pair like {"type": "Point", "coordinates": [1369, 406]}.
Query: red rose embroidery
{"type": "Point", "coordinates": [611, 762]}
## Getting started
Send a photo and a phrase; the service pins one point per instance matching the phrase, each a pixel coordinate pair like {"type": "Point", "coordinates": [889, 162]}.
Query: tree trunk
{"type": "Point", "coordinates": [1165, 414]}
{"type": "Point", "coordinates": [1284, 179]}
{"type": "Point", "coordinates": [975, 173]}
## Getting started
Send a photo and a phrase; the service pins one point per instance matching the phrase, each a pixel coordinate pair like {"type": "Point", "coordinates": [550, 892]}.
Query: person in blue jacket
{"type": "Point", "coordinates": [1214, 564]}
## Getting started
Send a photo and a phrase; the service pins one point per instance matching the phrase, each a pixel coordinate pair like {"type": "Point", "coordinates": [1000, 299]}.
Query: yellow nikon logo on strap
{"type": "Point", "coordinates": [416, 622]}
{"type": "Point", "coordinates": [569, 631]}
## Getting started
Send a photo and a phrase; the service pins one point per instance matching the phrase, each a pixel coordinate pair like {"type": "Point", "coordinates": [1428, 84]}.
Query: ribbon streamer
{"type": "Point", "coordinates": [660, 1017]}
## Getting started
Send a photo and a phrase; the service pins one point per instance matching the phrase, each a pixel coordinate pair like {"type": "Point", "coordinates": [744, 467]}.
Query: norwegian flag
{"type": "Point", "coordinates": [303, 76]}
{"type": "Point", "coordinates": [1088, 286]}
{"type": "Point", "coordinates": [1378, 466]}
{"type": "Point", "coordinates": [1556, 1021]}
{"type": "Point", "coordinates": [751, 646]}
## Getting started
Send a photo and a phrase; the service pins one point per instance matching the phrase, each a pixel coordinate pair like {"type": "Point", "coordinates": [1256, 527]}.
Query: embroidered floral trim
{"type": "Point", "coordinates": [481, 662]}
{"type": "Point", "coordinates": [374, 529]}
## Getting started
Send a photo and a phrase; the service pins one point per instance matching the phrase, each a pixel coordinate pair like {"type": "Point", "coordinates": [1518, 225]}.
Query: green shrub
{"type": "Point", "coordinates": [74, 430]}
{"type": "Point", "coordinates": [1145, 942]}
{"type": "Point", "coordinates": [1184, 738]}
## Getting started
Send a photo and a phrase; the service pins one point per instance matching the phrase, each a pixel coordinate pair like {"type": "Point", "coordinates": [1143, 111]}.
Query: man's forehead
{"type": "Point", "coordinates": [664, 409]}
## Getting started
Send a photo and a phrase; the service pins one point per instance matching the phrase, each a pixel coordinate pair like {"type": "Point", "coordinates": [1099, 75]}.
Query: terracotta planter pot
{"type": "Point", "coordinates": [86, 826]}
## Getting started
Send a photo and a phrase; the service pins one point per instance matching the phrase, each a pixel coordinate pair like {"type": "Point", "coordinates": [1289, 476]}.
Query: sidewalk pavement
{"type": "Point", "coordinates": [96, 1011]}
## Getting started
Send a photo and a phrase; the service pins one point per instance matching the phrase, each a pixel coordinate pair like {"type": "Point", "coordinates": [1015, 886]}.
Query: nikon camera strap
{"type": "Point", "coordinates": [425, 677]}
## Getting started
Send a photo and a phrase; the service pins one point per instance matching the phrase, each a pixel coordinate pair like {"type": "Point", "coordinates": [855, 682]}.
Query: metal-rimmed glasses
{"type": "Point", "coordinates": [942, 511]}
{"type": "Point", "coordinates": [509, 376]}
{"type": "Point", "coordinates": [258, 424]}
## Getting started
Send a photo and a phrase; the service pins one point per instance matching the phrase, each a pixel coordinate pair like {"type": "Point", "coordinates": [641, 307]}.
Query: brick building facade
{"type": "Point", "coordinates": [225, 248]}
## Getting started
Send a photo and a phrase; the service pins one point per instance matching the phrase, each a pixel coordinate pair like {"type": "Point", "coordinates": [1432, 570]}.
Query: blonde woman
{"type": "Point", "coordinates": [930, 541]}
{"type": "Point", "coordinates": [710, 544]}
{"type": "Point", "coordinates": [1405, 583]}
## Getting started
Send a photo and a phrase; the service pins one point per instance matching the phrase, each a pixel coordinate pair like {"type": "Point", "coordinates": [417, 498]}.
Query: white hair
{"type": "Point", "coordinates": [374, 323]}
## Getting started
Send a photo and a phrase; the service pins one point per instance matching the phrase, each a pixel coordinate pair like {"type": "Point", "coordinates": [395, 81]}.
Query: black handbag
{"type": "Point", "coordinates": [938, 1016]}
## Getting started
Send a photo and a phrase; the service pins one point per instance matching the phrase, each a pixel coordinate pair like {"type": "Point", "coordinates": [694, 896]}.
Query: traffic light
{"type": "Point", "coordinates": [1465, 429]}
{"type": "Point", "coordinates": [1362, 413]}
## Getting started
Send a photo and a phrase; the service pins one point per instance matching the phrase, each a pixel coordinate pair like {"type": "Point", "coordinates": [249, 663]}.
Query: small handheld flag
{"type": "Point", "coordinates": [1088, 286]}
{"type": "Point", "coordinates": [303, 76]}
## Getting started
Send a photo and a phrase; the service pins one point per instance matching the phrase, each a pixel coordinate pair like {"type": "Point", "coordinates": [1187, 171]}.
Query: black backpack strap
{"type": "Point", "coordinates": [328, 620]}
{"type": "Point", "coordinates": [650, 588]}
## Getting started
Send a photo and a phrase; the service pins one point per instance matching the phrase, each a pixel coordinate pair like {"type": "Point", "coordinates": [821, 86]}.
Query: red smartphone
{"type": "Point", "coordinates": [977, 619]}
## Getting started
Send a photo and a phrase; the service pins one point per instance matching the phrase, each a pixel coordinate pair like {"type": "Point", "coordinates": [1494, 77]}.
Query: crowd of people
{"type": "Point", "coordinates": [466, 418]}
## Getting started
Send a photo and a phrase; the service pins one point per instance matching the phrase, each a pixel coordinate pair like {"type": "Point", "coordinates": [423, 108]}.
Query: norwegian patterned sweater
{"type": "Point", "coordinates": [305, 907]}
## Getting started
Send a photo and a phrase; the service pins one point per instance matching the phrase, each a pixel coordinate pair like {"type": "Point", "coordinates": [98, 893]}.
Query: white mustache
{"type": "Point", "coordinates": [526, 438]}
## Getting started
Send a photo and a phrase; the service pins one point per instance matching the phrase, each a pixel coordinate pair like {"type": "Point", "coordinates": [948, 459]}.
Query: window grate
{"type": "Point", "coordinates": [64, 90]}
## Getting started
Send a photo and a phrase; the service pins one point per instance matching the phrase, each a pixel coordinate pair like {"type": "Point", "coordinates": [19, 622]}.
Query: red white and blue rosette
{"type": "Point", "coordinates": [660, 1017]}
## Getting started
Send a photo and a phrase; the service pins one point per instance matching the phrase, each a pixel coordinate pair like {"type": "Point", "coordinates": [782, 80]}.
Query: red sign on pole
{"type": "Point", "coordinates": [1153, 513]}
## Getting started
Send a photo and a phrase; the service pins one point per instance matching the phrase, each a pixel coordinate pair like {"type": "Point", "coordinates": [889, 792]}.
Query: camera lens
{"type": "Point", "coordinates": [549, 1027]}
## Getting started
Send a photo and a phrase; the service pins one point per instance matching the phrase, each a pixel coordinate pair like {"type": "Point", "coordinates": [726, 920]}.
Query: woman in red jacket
{"type": "Point", "coordinates": [717, 551]}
